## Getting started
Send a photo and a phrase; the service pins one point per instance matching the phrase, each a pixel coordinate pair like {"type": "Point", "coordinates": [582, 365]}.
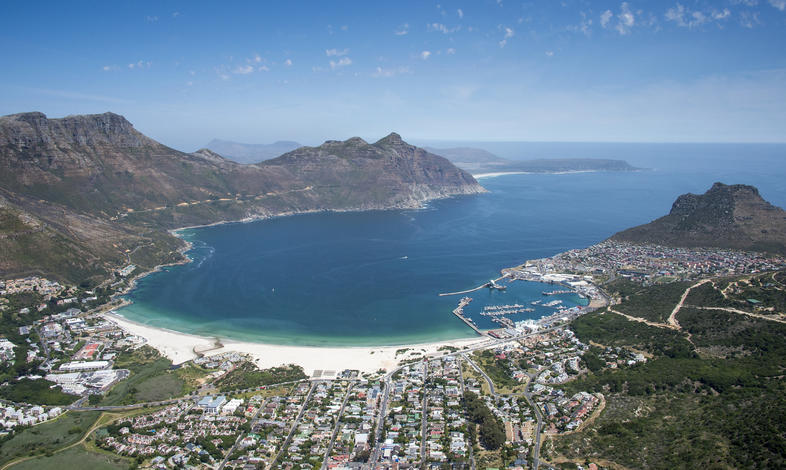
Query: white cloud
{"type": "Point", "coordinates": [336, 52]}
{"type": "Point", "coordinates": [288, 62]}
{"type": "Point", "coordinates": [450, 51]}
{"type": "Point", "coordinates": [622, 22]}
{"type": "Point", "coordinates": [425, 55]}
{"type": "Point", "coordinates": [263, 68]}
{"type": "Point", "coordinates": [243, 69]}
{"type": "Point", "coordinates": [107, 68]}
{"type": "Point", "coordinates": [256, 58]}
{"type": "Point", "coordinates": [584, 26]}
{"type": "Point", "coordinates": [460, 13]}
{"type": "Point", "coordinates": [175, 14]}
{"type": "Point", "coordinates": [779, 4]}
{"type": "Point", "coordinates": [402, 30]}
{"type": "Point", "coordinates": [390, 72]}
{"type": "Point", "coordinates": [685, 18]}
{"type": "Point", "coordinates": [549, 53]}
{"type": "Point", "coordinates": [626, 19]}
{"type": "Point", "coordinates": [342, 62]}
{"type": "Point", "coordinates": [748, 19]}
{"type": "Point", "coordinates": [605, 17]}
{"type": "Point", "coordinates": [509, 33]}
{"type": "Point", "coordinates": [151, 19]}
{"type": "Point", "coordinates": [442, 28]}
{"type": "Point", "coordinates": [139, 65]}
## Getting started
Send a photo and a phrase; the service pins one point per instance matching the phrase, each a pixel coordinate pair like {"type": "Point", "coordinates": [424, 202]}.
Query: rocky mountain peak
{"type": "Point", "coordinates": [726, 216]}
{"type": "Point", "coordinates": [391, 139]}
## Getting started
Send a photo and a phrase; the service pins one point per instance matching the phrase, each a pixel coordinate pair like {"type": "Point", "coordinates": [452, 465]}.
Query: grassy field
{"type": "Point", "coordinates": [48, 436]}
{"type": "Point", "coordinates": [151, 379]}
{"type": "Point", "coordinates": [76, 457]}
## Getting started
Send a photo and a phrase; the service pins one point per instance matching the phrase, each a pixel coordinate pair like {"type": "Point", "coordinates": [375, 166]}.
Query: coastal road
{"type": "Point", "coordinates": [338, 425]}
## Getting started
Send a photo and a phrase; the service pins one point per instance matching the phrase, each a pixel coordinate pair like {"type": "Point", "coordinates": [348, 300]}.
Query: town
{"type": "Point", "coordinates": [487, 405]}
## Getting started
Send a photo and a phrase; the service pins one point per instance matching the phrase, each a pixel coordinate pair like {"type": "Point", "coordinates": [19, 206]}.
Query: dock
{"type": "Point", "coordinates": [492, 284]}
{"type": "Point", "coordinates": [459, 312]}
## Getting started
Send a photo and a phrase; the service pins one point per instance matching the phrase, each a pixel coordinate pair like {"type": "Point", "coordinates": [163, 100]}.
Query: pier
{"type": "Point", "coordinates": [459, 312]}
{"type": "Point", "coordinates": [492, 284]}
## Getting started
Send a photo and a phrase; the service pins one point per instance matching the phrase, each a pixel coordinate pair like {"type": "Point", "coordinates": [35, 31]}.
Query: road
{"type": "Point", "coordinates": [240, 436]}
{"type": "Point", "coordinates": [338, 425]}
{"type": "Point", "coordinates": [528, 396]}
{"type": "Point", "coordinates": [386, 379]}
{"type": "Point", "coordinates": [539, 416]}
{"type": "Point", "coordinates": [294, 425]}
{"type": "Point", "coordinates": [424, 415]}
{"type": "Point", "coordinates": [471, 448]}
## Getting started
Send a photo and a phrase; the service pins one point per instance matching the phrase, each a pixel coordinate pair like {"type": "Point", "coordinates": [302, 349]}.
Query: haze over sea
{"type": "Point", "coordinates": [372, 278]}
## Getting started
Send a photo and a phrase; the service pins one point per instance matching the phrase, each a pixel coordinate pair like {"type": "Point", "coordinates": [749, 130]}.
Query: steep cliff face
{"type": "Point", "coordinates": [726, 216]}
{"type": "Point", "coordinates": [98, 170]}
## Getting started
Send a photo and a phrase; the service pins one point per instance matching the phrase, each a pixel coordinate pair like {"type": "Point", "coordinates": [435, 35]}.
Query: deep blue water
{"type": "Point", "coordinates": [373, 277]}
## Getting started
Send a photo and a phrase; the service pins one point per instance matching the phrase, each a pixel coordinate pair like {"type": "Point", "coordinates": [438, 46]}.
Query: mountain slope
{"type": "Point", "coordinates": [96, 174]}
{"type": "Point", "coordinates": [250, 153]}
{"type": "Point", "coordinates": [726, 216]}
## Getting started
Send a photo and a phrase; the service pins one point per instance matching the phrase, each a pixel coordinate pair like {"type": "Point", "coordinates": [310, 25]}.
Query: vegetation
{"type": "Point", "coordinates": [151, 378]}
{"type": "Point", "coordinates": [497, 370]}
{"type": "Point", "coordinates": [490, 434]}
{"type": "Point", "coordinates": [36, 392]}
{"type": "Point", "coordinates": [712, 396]}
{"type": "Point", "coordinates": [654, 303]}
{"type": "Point", "coordinates": [76, 457]}
{"type": "Point", "coordinates": [247, 375]}
{"type": "Point", "coordinates": [47, 437]}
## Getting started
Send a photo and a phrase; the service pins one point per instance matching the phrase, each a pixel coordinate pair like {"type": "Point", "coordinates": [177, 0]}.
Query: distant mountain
{"type": "Point", "coordinates": [726, 216]}
{"type": "Point", "coordinates": [250, 153]}
{"type": "Point", "coordinates": [83, 194]}
{"type": "Point", "coordinates": [479, 161]}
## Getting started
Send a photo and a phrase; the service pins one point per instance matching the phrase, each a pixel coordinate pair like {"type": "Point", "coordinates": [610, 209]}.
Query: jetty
{"type": "Point", "coordinates": [492, 284]}
{"type": "Point", "coordinates": [459, 312]}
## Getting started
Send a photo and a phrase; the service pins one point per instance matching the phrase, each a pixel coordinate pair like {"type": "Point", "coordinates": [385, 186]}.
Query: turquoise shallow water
{"type": "Point", "coordinates": [372, 278]}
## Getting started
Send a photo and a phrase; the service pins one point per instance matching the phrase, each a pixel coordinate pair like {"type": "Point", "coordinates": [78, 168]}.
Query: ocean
{"type": "Point", "coordinates": [373, 278]}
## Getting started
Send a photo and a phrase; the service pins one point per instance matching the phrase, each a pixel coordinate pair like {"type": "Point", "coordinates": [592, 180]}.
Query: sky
{"type": "Point", "coordinates": [483, 70]}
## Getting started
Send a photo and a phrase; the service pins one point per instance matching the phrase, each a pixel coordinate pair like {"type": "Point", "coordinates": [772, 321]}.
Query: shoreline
{"type": "Point", "coordinates": [182, 347]}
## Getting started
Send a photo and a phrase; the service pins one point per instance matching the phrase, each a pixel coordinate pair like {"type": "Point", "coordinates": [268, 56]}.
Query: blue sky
{"type": "Point", "coordinates": [186, 72]}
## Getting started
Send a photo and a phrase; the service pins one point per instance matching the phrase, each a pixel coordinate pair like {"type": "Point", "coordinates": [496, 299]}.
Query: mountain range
{"type": "Point", "coordinates": [81, 195]}
{"type": "Point", "coordinates": [726, 216]}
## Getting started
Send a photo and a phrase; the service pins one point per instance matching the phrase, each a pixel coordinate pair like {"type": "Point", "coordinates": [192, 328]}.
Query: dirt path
{"type": "Point", "coordinates": [646, 322]}
{"type": "Point", "coordinates": [673, 317]}
{"type": "Point", "coordinates": [742, 312]}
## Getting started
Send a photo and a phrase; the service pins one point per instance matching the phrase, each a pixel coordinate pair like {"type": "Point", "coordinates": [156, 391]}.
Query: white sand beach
{"type": "Point", "coordinates": [179, 347]}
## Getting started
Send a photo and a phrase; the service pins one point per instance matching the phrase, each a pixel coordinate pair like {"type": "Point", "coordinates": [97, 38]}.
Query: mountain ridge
{"type": "Point", "coordinates": [82, 175]}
